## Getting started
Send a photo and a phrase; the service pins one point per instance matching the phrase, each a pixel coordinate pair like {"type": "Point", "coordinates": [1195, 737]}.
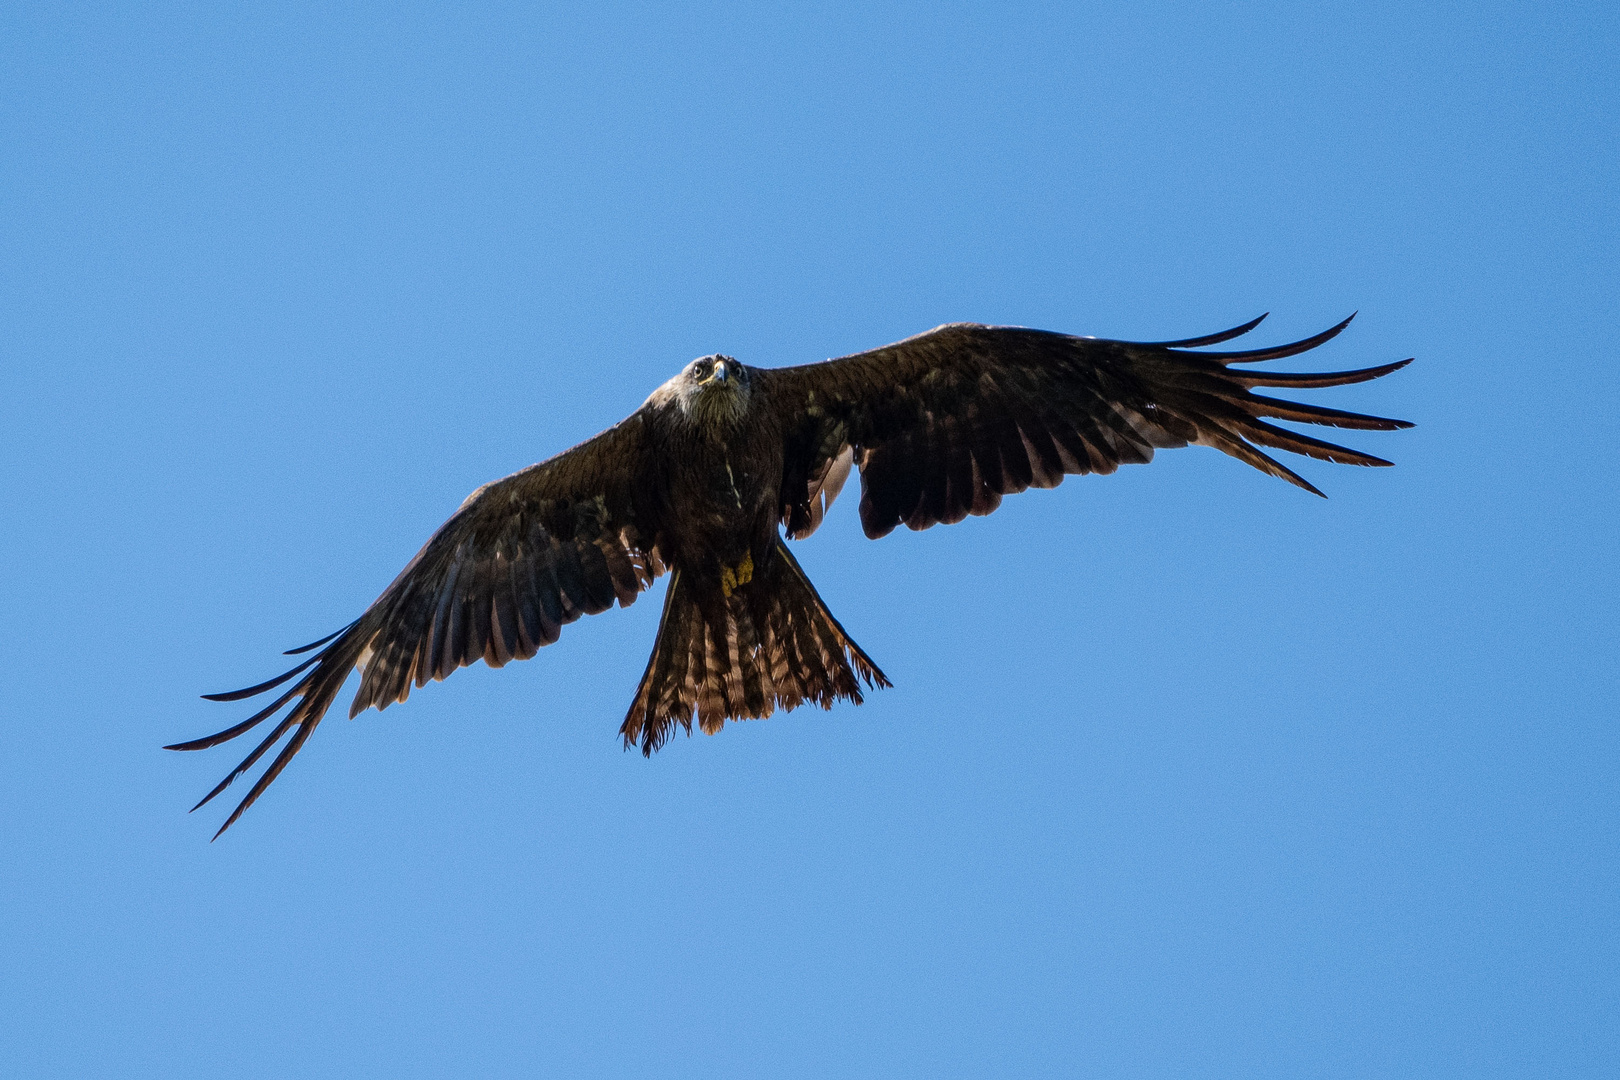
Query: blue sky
{"type": "Point", "coordinates": [1185, 773]}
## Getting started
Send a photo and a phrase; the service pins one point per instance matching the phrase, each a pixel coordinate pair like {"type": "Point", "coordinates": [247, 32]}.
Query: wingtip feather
{"type": "Point", "coordinates": [268, 684]}
{"type": "Point", "coordinates": [318, 644]}
{"type": "Point", "coordinates": [1277, 352]}
{"type": "Point", "coordinates": [1212, 339]}
{"type": "Point", "coordinates": [296, 743]}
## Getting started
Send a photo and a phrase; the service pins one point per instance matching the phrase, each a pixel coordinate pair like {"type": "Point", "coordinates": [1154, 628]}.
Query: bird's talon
{"type": "Point", "coordinates": [733, 578]}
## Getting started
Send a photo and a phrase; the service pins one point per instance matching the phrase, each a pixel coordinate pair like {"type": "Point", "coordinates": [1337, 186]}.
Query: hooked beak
{"type": "Point", "coordinates": [720, 374]}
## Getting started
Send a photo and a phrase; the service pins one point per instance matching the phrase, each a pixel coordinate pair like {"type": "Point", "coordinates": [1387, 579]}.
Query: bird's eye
{"type": "Point", "coordinates": [700, 368]}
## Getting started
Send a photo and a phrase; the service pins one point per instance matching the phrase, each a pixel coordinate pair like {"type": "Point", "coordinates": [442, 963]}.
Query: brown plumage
{"type": "Point", "coordinates": [704, 477]}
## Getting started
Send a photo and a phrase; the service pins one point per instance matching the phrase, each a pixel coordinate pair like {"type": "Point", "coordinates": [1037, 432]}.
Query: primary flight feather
{"type": "Point", "coordinates": [704, 478]}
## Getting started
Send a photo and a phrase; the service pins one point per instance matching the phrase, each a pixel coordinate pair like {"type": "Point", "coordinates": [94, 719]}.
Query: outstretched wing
{"type": "Point", "coordinates": [521, 557]}
{"type": "Point", "coordinates": [944, 424]}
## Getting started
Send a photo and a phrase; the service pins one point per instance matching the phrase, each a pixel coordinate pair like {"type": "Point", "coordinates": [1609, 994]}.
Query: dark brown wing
{"type": "Point", "coordinates": [944, 424]}
{"type": "Point", "coordinates": [521, 557]}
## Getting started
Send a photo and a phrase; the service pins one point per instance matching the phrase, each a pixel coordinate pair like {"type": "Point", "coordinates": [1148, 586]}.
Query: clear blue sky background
{"type": "Point", "coordinates": [1185, 772]}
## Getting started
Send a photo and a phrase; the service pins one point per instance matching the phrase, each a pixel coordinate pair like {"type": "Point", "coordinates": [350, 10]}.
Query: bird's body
{"type": "Point", "coordinates": [717, 465]}
{"type": "Point", "coordinates": [704, 479]}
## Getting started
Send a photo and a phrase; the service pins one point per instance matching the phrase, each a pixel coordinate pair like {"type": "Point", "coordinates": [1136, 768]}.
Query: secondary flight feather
{"type": "Point", "coordinates": [705, 479]}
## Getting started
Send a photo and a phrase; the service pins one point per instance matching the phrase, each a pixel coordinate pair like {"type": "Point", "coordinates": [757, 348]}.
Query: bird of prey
{"type": "Point", "coordinates": [702, 481]}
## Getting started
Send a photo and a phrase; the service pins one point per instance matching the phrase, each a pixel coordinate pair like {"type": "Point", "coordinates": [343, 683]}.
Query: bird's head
{"type": "Point", "coordinates": [712, 390]}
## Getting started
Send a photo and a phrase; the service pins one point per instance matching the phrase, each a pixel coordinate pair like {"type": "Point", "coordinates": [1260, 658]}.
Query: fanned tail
{"type": "Point", "coordinates": [772, 643]}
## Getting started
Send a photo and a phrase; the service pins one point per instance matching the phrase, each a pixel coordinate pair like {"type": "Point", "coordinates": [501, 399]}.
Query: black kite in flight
{"type": "Point", "coordinates": [702, 479]}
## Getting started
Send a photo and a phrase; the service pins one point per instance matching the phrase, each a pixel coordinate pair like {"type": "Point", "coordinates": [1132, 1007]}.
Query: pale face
{"type": "Point", "coordinates": [715, 371]}
{"type": "Point", "coordinates": [711, 390]}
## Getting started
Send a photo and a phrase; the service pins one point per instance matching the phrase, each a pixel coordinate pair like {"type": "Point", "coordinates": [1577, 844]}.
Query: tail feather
{"type": "Point", "coordinates": [771, 644]}
{"type": "Point", "coordinates": [758, 690]}
{"type": "Point", "coordinates": [709, 694]}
